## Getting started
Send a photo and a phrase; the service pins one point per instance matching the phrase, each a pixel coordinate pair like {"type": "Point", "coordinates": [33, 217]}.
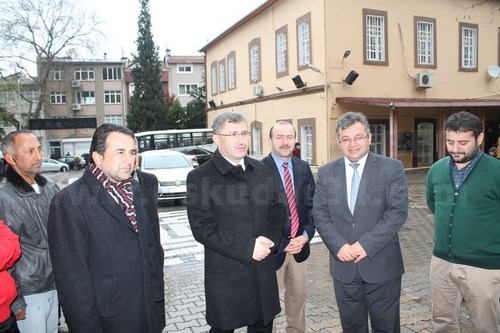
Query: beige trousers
{"type": "Point", "coordinates": [293, 277]}
{"type": "Point", "coordinates": [480, 288]}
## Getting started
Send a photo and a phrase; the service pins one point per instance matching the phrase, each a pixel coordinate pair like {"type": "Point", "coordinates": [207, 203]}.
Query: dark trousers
{"type": "Point", "coordinates": [10, 325]}
{"type": "Point", "coordinates": [255, 328]}
{"type": "Point", "coordinates": [358, 299]}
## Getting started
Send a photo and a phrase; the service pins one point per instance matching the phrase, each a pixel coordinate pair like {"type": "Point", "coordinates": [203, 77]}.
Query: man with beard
{"type": "Point", "coordinates": [463, 192]}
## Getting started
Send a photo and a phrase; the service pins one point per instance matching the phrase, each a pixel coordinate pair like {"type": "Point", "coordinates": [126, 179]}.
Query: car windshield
{"type": "Point", "coordinates": [165, 162]}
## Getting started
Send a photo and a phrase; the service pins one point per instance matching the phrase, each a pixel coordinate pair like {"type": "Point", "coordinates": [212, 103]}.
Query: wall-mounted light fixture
{"type": "Point", "coordinates": [297, 80]}
{"type": "Point", "coordinates": [279, 89]}
{"type": "Point", "coordinates": [346, 54]}
{"type": "Point", "coordinates": [351, 77]}
{"type": "Point", "coordinates": [314, 68]}
{"type": "Point", "coordinates": [211, 103]}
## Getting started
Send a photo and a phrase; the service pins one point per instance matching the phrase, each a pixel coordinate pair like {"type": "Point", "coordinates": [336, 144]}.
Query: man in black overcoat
{"type": "Point", "coordinates": [102, 245]}
{"type": "Point", "coordinates": [233, 211]}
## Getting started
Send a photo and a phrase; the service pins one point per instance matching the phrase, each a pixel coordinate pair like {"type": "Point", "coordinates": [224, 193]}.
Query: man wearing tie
{"type": "Point", "coordinates": [360, 204]}
{"type": "Point", "coordinates": [294, 182]}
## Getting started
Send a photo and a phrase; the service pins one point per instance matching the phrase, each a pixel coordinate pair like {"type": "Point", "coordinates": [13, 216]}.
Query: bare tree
{"type": "Point", "coordinates": [32, 31]}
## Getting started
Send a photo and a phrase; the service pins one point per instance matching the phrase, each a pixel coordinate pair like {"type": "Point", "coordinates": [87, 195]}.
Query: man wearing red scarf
{"type": "Point", "coordinates": [102, 245]}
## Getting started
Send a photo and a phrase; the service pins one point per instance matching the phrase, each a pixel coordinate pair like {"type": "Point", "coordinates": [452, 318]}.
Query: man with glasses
{"type": "Point", "coordinates": [234, 212]}
{"type": "Point", "coordinates": [360, 203]}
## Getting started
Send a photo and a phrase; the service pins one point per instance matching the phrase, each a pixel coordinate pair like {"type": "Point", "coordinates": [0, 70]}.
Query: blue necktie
{"type": "Point", "coordinates": [354, 186]}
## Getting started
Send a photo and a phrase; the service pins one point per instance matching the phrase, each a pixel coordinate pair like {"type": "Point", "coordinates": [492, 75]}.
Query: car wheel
{"type": "Point", "coordinates": [63, 169]}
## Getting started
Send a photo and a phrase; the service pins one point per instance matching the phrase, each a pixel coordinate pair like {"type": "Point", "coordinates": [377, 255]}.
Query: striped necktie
{"type": "Point", "coordinates": [290, 196]}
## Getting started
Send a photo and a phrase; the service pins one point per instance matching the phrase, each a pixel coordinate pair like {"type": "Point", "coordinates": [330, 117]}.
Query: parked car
{"type": "Point", "coordinates": [171, 168]}
{"type": "Point", "coordinates": [74, 162]}
{"type": "Point", "coordinates": [197, 154]}
{"type": "Point", "coordinates": [51, 165]}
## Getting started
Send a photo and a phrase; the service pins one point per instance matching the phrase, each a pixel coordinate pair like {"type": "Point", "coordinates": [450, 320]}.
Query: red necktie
{"type": "Point", "coordinates": [291, 201]}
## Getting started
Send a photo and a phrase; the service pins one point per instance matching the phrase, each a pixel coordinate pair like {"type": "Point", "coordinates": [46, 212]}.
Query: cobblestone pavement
{"type": "Point", "coordinates": [184, 274]}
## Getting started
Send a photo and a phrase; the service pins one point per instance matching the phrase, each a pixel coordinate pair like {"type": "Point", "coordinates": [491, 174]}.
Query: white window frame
{"type": "Point", "coordinates": [213, 70]}
{"type": "Point", "coordinates": [231, 71]}
{"type": "Point", "coordinates": [57, 97]}
{"type": "Point", "coordinates": [281, 51]}
{"type": "Point", "coordinates": [425, 40]}
{"type": "Point", "coordinates": [84, 73]}
{"type": "Point", "coordinates": [116, 119]}
{"type": "Point", "coordinates": [85, 97]}
{"type": "Point", "coordinates": [222, 76]}
{"type": "Point", "coordinates": [254, 56]}
{"type": "Point", "coordinates": [184, 69]}
{"type": "Point", "coordinates": [304, 40]}
{"type": "Point", "coordinates": [112, 97]}
{"type": "Point", "coordinates": [307, 136]}
{"type": "Point", "coordinates": [111, 73]}
{"type": "Point", "coordinates": [375, 43]}
{"type": "Point", "coordinates": [468, 46]}
{"type": "Point", "coordinates": [185, 89]}
{"type": "Point", "coordinates": [56, 74]}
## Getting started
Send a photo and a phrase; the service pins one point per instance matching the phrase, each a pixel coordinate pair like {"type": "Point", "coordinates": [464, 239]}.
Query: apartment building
{"type": "Point", "coordinates": [19, 96]}
{"type": "Point", "coordinates": [81, 91]}
{"type": "Point", "coordinates": [407, 65]}
{"type": "Point", "coordinates": [187, 73]}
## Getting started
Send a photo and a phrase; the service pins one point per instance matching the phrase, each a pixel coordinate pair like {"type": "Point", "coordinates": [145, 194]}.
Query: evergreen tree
{"type": "Point", "coordinates": [147, 103]}
{"type": "Point", "coordinates": [195, 109]}
{"type": "Point", "coordinates": [176, 116]}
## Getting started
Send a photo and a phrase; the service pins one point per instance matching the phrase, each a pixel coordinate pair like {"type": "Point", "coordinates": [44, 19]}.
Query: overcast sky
{"type": "Point", "coordinates": [184, 26]}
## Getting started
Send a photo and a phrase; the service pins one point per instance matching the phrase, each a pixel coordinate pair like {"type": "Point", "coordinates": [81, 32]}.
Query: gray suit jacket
{"type": "Point", "coordinates": [381, 209]}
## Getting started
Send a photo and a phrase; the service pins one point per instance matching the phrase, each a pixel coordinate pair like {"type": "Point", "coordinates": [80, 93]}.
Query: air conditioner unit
{"type": "Point", "coordinates": [258, 90]}
{"type": "Point", "coordinates": [424, 80]}
{"type": "Point", "coordinates": [76, 107]}
{"type": "Point", "coordinates": [75, 83]}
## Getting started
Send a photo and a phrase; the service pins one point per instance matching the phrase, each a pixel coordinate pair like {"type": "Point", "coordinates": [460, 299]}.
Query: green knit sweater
{"type": "Point", "coordinates": [467, 221]}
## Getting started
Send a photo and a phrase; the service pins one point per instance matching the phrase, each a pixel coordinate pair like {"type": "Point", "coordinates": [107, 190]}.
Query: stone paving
{"type": "Point", "coordinates": [184, 274]}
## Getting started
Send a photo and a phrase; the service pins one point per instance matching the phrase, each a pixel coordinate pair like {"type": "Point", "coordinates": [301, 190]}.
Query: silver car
{"type": "Point", "coordinates": [171, 169]}
{"type": "Point", "coordinates": [51, 165]}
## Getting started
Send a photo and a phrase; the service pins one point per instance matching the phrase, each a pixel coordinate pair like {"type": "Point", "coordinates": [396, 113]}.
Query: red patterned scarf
{"type": "Point", "coordinates": [121, 192]}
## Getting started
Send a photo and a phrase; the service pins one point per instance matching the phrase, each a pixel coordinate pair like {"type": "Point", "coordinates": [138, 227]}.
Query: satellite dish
{"type": "Point", "coordinates": [494, 71]}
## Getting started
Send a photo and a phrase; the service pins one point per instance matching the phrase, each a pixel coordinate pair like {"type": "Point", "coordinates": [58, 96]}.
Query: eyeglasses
{"type": "Point", "coordinates": [243, 134]}
{"type": "Point", "coordinates": [357, 139]}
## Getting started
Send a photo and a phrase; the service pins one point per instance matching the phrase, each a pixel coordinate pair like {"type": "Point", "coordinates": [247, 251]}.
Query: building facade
{"type": "Point", "coordinates": [406, 65]}
{"type": "Point", "coordinates": [187, 74]}
{"type": "Point", "coordinates": [19, 96]}
{"type": "Point", "coordinates": [81, 90]}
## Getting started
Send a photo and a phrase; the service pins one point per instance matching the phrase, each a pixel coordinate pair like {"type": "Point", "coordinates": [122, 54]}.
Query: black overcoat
{"type": "Point", "coordinates": [102, 266]}
{"type": "Point", "coordinates": [228, 208]}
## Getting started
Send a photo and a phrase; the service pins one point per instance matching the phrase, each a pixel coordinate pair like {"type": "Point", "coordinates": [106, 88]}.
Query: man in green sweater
{"type": "Point", "coordinates": [463, 192]}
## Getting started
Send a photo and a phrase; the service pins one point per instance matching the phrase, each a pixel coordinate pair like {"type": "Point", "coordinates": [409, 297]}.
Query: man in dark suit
{"type": "Point", "coordinates": [233, 211]}
{"type": "Point", "coordinates": [101, 242]}
{"type": "Point", "coordinates": [293, 248]}
{"type": "Point", "coordinates": [360, 203]}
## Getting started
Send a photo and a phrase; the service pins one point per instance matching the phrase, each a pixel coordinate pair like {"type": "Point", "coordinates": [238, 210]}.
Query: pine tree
{"type": "Point", "coordinates": [147, 103]}
{"type": "Point", "coordinates": [195, 109]}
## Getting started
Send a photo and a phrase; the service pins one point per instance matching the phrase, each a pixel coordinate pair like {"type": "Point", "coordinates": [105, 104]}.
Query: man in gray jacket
{"type": "Point", "coordinates": [24, 206]}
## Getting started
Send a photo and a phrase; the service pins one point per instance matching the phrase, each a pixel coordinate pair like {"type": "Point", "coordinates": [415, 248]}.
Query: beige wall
{"type": "Point", "coordinates": [338, 27]}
